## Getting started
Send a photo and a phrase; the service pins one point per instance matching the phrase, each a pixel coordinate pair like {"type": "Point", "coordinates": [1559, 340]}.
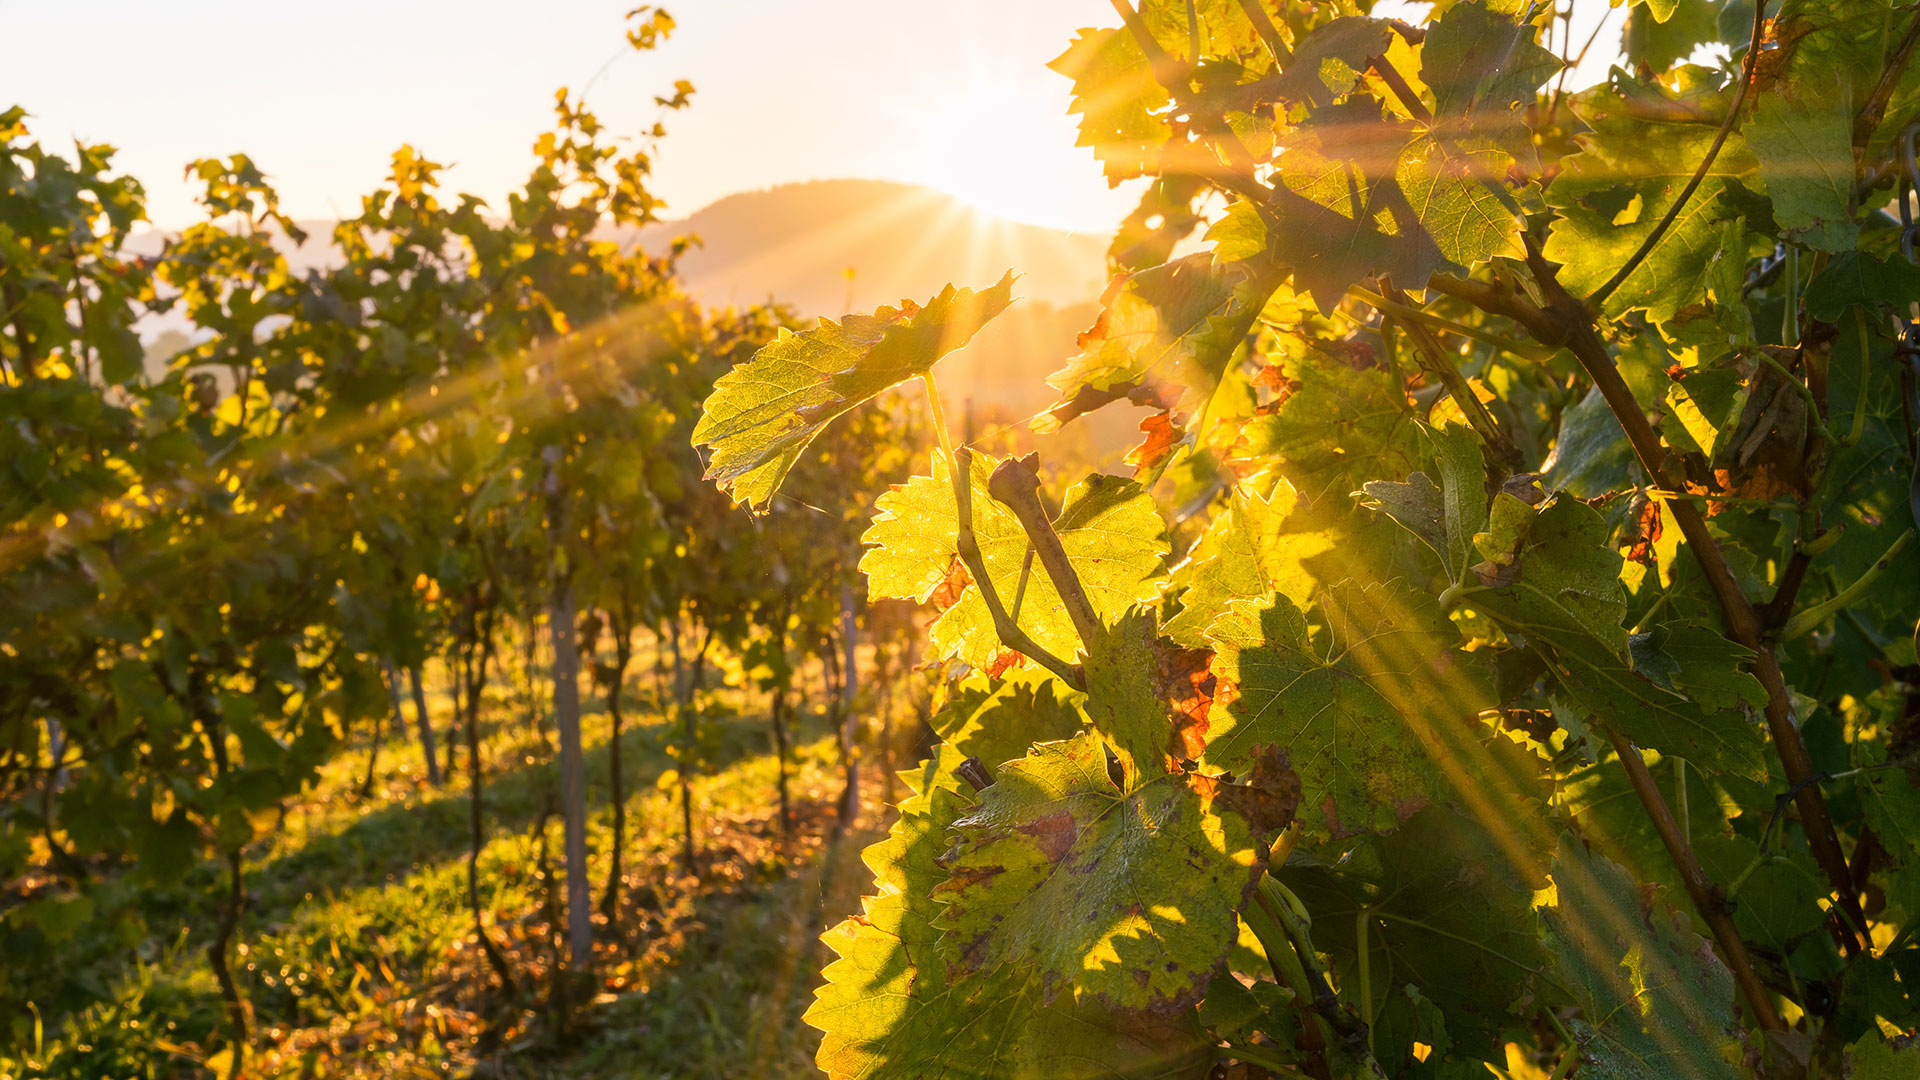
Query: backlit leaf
{"type": "Point", "coordinates": [1125, 898]}
{"type": "Point", "coordinates": [1245, 553]}
{"type": "Point", "coordinates": [889, 1008]}
{"type": "Point", "coordinates": [763, 413]}
{"type": "Point", "coordinates": [1654, 999]}
{"type": "Point", "coordinates": [1360, 767]}
{"type": "Point", "coordinates": [1113, 535]}
{"type": "Point", "coordinates": [1175, 325]}
{"type": "Point", "coordinates": [1805, 147]}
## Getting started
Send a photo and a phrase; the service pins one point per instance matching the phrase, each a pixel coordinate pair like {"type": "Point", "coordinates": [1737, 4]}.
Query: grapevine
{"type": "Point", "coordinates": [1503, 653]}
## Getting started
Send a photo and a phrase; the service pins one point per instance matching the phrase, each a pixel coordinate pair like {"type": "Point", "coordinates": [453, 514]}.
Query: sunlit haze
{"type": "Point", "coordinates": [954, 96]}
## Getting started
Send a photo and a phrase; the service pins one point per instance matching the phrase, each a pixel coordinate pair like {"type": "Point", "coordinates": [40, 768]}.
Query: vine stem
{"type": "Point", "coordinates": [1806, 620]}
{"type": "Point", "coordinates": [940, 429]}
{"type": "Point", "coordinates": [1362, 923]}
{"type": "Point", "coordinates": [960, 466]}
{"type": "Point", "coordinates": [1269, 33]}
{"type": "Point", "coordinates": [1409, 313]}
{"type": "Point", "coordinates": [1015, 484]}
{"type": "Point", "coordinates": [1283, 956]}
{"type": "Point", "coordinates": [1565, 321]}
{"type": "Point", "coordinates": [1285, 909]}
{"type": "Point", "coordinates": [1600, 295]}
{"type": "Point", "coordinates": [1707, 899]}
{"type": "Point", "coordinates": [1435, 360]}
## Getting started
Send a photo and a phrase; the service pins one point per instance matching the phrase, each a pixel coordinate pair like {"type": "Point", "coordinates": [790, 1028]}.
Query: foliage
{"type": "Point", "coordinates": [1545, 481]}
{"type": "Point", "coordinates": [210, 563]}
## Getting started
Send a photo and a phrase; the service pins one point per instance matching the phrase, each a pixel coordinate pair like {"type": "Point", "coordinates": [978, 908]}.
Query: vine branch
{"type": "Point", "coordinates": [1600, 295]}
{"type": "Point", "coordinates": [1707, 898]}
{"type": "Point", "coordinates": [1565, 321]}
{"type": "Point", "coordinates": [1015, 484]}
{"type": "Point", "coordinates": [1435, 360]}
{"type": "Point", "coordinates": [960, 464]}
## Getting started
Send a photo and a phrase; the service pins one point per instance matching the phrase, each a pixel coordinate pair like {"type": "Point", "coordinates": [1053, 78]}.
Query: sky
{"type": "Point", "coordinates": [955, 95]}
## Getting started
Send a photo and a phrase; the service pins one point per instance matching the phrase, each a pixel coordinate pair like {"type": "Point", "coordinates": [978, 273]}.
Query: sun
{"type": "Point", "coordinates": [1005, 144]}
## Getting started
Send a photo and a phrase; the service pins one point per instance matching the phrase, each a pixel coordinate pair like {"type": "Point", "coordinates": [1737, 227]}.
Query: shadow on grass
{"type": "Point", "coordinates": [404, 837]}
{"type": "Point", "coordinates": [728, 1003]}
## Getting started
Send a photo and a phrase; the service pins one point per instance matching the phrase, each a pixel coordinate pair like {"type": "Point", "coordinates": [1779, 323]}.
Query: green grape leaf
{"type": "Point", "coordinates": [1124, 704]}
{"type": "Point", "coordinates": [1362, 193]}
{"type": "Point", "coordinates": [1113, 535]}
{"type": "Point", "coordinates": [1446, 518]}
{"type": "Point", "coordinates": [1454, 187]}
{"type": "Point", "coordinates": [1612, 194]}
{"type": "Point", "coordinates": [1874, 1058]}
{"type": "Point", "coordinates": [1551, 580]}
{"type": "Point", "coordinates": [1706, 406]}
{"type": "Point", "coordinates": [1449, 903]}
{"type": "Point", "coordinates": [1551, 577]}
{"type": "Point", "coordinates": [1591, 455]}
{"type": "Point", "coordinates": [1121, 105]}
{"type": "Point", "coordinates": [1780, 896]}
{"type": "Point", "coordinates": [1833, 48]}
{"type": "Point", "coordinates": [1805, 149]}
{"type": "Point", "coordinates": [1231, 1009]}
{"type": "Point", "coordinates": [1328, 61]}
{"type": "Point", "coordinates": [763, 413]}
{"type": "Point", "coordinates": [1482, 66]}
{"type": "Point", "coordinates": [890, 1009]}
{"type": "Point", "coordinates": [1558, 588]}
{"type": "Point", "coordinates": [1654, 999]}
{"type": "Point", "coordinates": [1857, 279]}
{"type": "Point", "coordinates": [1117, 100]}
{"type": "Point", "coordinates": [996, 720]}
{"type": "Point", "coordinates": [1661, 40]}
{"type": "Point", "coordinates": [1417, 506]}
{"type": "Point", "coordinates": [1336, 430]}
{"type": "Point", "coordinates": [1360, 768]}
{"type": "Point", "coordinates": [1240, 234]}
{"type": "Point", "coordinates": [1890, 802]}
{"type": "Point", "coordinates": [1245, 554]}
{"type": "Point", "coordinates": [1341, 213]}
{"type": "Point", "coordinates": [1700, 662]}
{"type": "Point", "coordinates": [1123, 898]}
{"type": "Point", "coordinates": [1175, 325]}
{"type": "Point", "coordinates": [1660, 715]}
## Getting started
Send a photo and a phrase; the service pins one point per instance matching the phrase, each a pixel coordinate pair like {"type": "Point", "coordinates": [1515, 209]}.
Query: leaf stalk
{"type": "Point", "coordinates": [1014, 483]}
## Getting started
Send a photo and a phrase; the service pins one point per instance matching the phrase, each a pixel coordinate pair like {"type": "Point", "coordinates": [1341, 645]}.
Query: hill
{"type": "Point", "coordinates": [796, 242]}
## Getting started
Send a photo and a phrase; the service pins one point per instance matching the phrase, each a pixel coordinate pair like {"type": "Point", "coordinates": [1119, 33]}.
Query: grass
{"type": "Point", "coordinates": [357, 951]}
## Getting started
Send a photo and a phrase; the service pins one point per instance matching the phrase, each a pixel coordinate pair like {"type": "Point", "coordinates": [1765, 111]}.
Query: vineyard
{"type": "Point", "coordinates": [1494, 655]}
